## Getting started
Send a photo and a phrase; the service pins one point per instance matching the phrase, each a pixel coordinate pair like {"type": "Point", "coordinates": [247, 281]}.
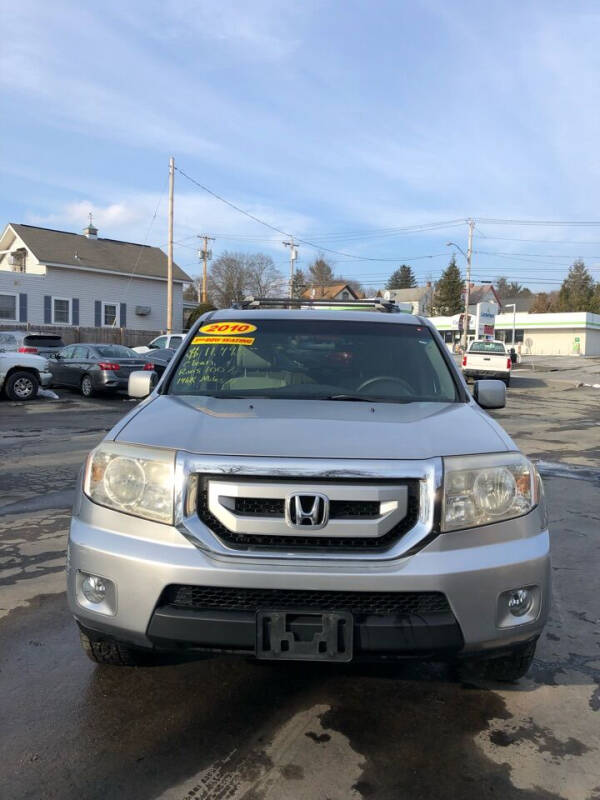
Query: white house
{"type": "Point", "coordinates": [50, 277]}
{"type": "Point", "coordinates": [419, 297]}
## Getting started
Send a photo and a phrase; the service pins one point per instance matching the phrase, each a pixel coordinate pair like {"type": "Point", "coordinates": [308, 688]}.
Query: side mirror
{"type": "Point", "coordinates": [56, 356]}
{"type": "Point", "coordinates": [141, 383]}
{"type": "Point", "coordinates": [489, 394]}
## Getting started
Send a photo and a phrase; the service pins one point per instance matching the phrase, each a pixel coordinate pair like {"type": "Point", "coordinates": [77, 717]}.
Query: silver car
{"type": "Point", "coordinates": [311, 485]}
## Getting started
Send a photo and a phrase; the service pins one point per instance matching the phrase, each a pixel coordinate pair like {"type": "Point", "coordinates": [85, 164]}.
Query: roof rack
{"type": "Point", "coordinates": [377, 304]}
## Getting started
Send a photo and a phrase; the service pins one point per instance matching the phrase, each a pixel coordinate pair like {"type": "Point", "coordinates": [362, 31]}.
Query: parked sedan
{"type": "Point", "coordinates": [158, 360]}
{"type": "Point", "coordinates": [95, 367]}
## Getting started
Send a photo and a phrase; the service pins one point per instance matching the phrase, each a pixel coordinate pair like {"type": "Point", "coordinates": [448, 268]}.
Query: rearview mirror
{"type": "Point", "coordinates": [490, 394]}
{"type": "Point", "coordinates": [141, 383]}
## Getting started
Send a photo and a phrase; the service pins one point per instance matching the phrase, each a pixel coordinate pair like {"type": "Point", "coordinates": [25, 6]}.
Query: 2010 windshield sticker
{"type": "Point", "coordinates": [227, 329]}
{"type": "Point", "coordinates": [213, 339]}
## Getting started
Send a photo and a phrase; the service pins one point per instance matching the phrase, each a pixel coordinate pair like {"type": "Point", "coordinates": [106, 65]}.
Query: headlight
{"type": "Point", "coordinates": [489, 488]}
{"type": "Point", "coordinates": [131, 479]}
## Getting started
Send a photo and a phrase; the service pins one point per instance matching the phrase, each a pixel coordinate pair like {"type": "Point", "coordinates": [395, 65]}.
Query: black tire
{"type": "Point", "coordinates": [21, 385]}
{"type": "Point", "coordinates": [106, 651]}
{"type": "Point", "coordinates": [86, 387]}
{"type": "Point", "coordinates": [507, 381]}
{"type": "Point", "coordinates": [508, 668]}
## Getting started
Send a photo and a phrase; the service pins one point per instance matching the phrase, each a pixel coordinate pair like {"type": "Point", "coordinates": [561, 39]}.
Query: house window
{"type": "Point", "coordinates": [109, 315]}
{"type": "Point", "coordinates": [8, 307]}
{"type": "Point", "coordinates": [61, 311]}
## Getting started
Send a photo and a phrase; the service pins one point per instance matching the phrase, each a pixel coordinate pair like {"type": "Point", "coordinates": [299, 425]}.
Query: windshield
{"type": "Point", "coordinates": [315, 359]}
{"type": "Point", "coordinates": [115, 351]}
{"type": "Point", "coordinates": [488, 347]}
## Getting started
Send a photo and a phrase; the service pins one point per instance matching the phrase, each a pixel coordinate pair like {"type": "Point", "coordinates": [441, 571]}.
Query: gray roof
{"type": "Point", "coordinates": [522, 302]}
{"type": "Point", "coordinates": [406, 295]}
{"type": "Point", "coordinates": [76, 250]}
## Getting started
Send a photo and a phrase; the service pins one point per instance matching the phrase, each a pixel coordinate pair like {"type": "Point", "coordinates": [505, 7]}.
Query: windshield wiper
{"type": "Point", "coordinates": [362, 398]}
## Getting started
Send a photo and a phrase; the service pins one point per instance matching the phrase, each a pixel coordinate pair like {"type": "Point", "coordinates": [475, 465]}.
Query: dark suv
{"type": "Point", "coordinates": [42, 344]}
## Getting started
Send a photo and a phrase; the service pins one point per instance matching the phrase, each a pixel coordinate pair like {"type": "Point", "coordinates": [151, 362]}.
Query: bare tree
{"type": "Point", "coordinates": [262, 277]}
{"type": "Point", "coordinates": [234, 276]}
{"type": "Point", "coordinates": [227, 279]}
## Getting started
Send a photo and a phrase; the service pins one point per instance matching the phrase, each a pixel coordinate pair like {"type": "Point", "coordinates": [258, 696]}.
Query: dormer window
{"type": "Point", "coordinates": [18, 260]}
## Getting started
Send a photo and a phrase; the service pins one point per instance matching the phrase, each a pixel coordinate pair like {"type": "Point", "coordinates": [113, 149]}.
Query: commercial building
{"type": "Point", "coordinates": [565, 334]}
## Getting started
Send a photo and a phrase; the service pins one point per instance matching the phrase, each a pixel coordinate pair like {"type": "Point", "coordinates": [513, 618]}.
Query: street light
{"type": "Point", "coordinates": [458, 247]}
{"type": "Point", "coordinates": [467, 256]}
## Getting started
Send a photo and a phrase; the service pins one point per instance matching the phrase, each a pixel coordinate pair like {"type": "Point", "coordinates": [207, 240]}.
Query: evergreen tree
{"type": "Point", "coordinates": [298, 283]}
{"type": "Point", "coordinates": [320, 275]}
{"type": "Point", "coordinates": [448, 297]}
{"type": "Point", "coordinates": [402, 278]}
{"type": "Point", "coordinates": [577, 290]}
{"type": "Point", "coordinates": [200, 309]}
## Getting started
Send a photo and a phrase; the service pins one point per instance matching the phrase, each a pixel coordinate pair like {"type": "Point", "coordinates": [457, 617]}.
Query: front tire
{"type": "Point", "coordinates": [87, 389]}
{"type": "Point", "coordinates": [508, 668]}
{"type": "Point", "coordinates": [21, 386]}
{"type": "Point", "coordinates": [106, 651]}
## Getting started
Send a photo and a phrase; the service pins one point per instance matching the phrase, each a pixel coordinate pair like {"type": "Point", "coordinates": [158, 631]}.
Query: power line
{"type": "Point", "coordinates": [280, 230]}
{"type": "Point", "coordinates": [546, 223]}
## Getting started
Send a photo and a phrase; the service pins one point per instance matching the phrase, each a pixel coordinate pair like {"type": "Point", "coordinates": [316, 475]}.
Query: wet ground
{"type": "Point", "coordinates": [227, 728]}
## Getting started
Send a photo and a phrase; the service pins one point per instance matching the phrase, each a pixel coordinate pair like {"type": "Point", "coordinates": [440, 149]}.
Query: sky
{"type": "Point", "coordinates": [341, 123]}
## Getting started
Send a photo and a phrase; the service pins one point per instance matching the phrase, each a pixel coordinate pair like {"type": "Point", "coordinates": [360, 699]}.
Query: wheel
{"type": "Point", "coordinates": [106, 651]}
{"type": "Point", "coordinates": [87, 390]}
{"type": "Point", "coordinates": [507, 381]}
{"type": "Point", "coordinates": [507, 668]}
{"type": "Point", "coordinates": [21, 386]}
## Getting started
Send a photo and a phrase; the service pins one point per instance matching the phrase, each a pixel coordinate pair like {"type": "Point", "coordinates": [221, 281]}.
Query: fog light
{"type": "Point", "coordinates": [93, 588]}
{"type": "Point", "coordinates": [520, 602]}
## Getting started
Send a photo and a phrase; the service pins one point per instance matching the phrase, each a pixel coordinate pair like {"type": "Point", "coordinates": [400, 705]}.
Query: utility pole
{"type": "Point", "coordinates": [170, 248]}
{"type": "Point", "coordinates": [293, 257]}
{"type": "Point", "coordinates": [468, 287]}
{"type": "Point", "coordinates": [206, 256]}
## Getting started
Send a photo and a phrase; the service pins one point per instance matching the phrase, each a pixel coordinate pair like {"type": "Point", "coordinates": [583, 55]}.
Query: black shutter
{"type": "Point", "coordinates": [123, 315]}
{"type": "Point", "coordinates": [22, 307]}
{"type": "Point", "coordinates": [98, 313]}
{"type": "Point", "coordinates": [75, 314]}
{"type": "Point", "coordinates": [47, 309]}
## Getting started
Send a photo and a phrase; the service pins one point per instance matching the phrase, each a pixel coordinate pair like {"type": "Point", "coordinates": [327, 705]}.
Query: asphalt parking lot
{"type": "Point", "coordinates": [226, 728]}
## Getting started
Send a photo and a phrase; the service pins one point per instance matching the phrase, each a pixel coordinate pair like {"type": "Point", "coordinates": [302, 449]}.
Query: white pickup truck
{"type": "Point", "coordinates": [22, 374]}
{"type": "Point", "coordinates": [487, 359]}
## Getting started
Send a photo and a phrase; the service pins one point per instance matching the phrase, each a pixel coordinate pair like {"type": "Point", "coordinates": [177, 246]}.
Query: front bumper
{"type": "Point", "coordinates": [471, 568]}
{"type": "Point", "coordinates": [46, 379]}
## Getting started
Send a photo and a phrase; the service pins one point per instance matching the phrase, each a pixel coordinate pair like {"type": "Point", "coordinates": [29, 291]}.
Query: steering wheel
{"type": "Point", "coordinates": [389, 379]}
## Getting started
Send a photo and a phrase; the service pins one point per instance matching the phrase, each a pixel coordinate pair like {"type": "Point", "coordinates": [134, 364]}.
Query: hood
{"type": "Point", "coordinates": [313, 429]}
{"type": "Point", "coordinates": [26, 360]}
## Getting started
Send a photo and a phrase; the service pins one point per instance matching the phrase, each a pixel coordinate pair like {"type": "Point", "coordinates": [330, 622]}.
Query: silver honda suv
{"type": "Point", "coordinates": [311, 484]}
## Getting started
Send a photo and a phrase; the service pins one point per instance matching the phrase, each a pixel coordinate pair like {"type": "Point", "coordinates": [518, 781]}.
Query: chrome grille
{"type": "Point", "coordinates": [249, 520]}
